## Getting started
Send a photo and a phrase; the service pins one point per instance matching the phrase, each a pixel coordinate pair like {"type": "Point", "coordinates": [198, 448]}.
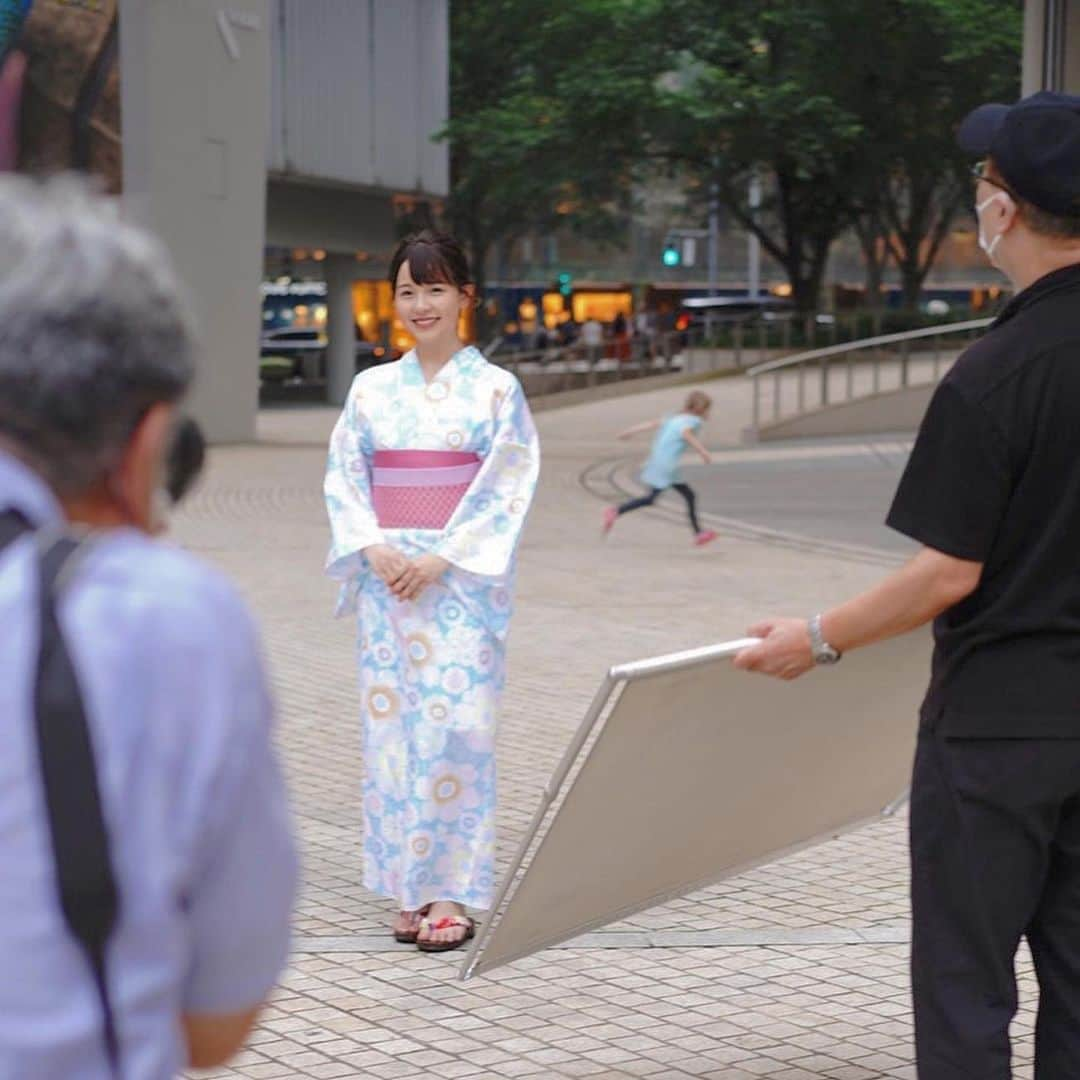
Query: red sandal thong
{"type": "Point", "coordinates": [445, 923]}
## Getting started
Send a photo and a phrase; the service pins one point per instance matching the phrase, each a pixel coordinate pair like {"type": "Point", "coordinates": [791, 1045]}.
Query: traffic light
{"type": "Point", "coordinates": [672, 256]}
{"type": "Point", "coordinates": [566, 284]}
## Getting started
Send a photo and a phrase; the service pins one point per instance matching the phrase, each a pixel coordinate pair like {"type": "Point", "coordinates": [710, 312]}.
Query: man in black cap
{"type": "Point", "coordinates": [992, 492]}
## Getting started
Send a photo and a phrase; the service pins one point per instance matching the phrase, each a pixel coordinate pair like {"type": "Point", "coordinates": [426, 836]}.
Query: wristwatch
{"type": "Point", "coordinates": [822, 651]}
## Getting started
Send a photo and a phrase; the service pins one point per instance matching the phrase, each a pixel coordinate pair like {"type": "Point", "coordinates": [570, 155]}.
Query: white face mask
{"type": "Point", "coordinates": [988, 246]}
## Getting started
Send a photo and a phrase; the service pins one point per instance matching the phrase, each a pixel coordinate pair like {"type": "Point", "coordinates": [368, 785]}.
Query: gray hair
{"type": "Point", "coordinates": [93, 331]}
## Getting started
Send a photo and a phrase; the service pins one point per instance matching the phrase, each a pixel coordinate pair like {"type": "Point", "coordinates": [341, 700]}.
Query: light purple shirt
{"type": "Point", "coordinates": [194, 802]}
{"type": "Point", "coordinates": [23, 490]}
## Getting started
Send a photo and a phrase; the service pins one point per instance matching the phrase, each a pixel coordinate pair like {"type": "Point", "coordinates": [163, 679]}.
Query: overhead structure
{"type": "Point", "coordinates": [285, 122]}
{"type": "Point", "coordinates": [686, 771]}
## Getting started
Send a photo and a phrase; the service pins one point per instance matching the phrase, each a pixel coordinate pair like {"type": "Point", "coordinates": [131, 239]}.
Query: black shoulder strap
{"type": "Point", "coordinates": [12, 525]}
{"type": "Point", "coordinates": [88, 893]}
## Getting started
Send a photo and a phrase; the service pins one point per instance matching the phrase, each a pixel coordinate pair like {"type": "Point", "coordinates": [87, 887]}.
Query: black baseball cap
{"type": "Point", "coordinates": [1035, 145]}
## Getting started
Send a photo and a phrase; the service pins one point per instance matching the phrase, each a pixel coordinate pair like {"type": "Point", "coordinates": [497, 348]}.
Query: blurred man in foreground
{"type": "Point", "coordinates": [146, 877]}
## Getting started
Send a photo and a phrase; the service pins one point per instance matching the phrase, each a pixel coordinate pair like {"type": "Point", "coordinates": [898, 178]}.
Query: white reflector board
{"type": "Point", "coordinates": [686, 771]}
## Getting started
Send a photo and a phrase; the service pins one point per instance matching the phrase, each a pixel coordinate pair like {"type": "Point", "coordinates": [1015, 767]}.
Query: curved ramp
{"type": "Point", "coordinates": [890, 411]}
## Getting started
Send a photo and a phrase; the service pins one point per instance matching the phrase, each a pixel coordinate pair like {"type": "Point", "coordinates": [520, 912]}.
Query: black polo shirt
{"type": "Point", "coordinates": [995, 477]}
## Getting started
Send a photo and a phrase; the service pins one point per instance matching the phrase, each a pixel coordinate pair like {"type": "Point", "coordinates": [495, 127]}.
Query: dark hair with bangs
{"type": "Point", "coordinates": [432, 257]}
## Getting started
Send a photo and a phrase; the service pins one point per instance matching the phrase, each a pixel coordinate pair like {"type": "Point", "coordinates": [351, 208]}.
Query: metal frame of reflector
{"type": "Point", "coordinates": [603, 706]}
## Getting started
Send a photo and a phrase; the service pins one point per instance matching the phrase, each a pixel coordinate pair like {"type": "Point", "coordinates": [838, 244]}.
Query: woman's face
{"type": "Point", "coordinates": [430, 312]}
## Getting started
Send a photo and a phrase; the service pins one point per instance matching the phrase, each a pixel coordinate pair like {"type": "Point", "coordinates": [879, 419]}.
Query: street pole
{"type": "Point", "coordinates": [753, 244]}
{"type": "Point", "coordinates": [714, 244]}
{"type": "Point", "coordinates": [714, 235]}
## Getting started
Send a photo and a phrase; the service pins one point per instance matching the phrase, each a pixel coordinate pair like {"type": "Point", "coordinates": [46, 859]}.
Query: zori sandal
{"type": "Point", "coordinates": [446, 923]}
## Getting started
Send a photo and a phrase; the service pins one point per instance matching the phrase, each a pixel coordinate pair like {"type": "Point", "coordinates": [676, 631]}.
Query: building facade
{"type": "Point", "coordinates": [286, 123]}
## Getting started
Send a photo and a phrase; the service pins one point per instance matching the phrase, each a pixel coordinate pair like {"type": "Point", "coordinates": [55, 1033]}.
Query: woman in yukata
{"type": "Point", "coordinates": [432, 468]}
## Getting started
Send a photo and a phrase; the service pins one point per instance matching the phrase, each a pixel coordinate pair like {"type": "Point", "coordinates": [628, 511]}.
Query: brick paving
{"type": "Point", "coordinates": [794, 970]}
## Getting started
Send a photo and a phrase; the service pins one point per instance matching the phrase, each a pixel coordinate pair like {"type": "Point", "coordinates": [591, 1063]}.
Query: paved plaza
{"type": "Point", "coordinates": [792, 971]}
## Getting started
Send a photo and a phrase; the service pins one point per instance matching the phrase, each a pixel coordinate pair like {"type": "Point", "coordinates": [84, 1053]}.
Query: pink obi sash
{"type": "Point", "coordinates": [419, 489]}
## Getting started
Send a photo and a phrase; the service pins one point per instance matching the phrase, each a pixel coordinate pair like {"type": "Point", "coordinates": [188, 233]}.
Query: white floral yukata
{"type": "Point", "coordinates": [431, 671]}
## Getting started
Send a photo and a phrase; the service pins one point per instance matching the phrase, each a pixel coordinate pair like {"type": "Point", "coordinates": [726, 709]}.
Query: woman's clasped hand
{"type": "Point", "coordinates": [406, 578]}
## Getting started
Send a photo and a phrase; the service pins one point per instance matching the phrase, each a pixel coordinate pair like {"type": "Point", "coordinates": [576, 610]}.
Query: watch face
{"type": "Point", "coordinates": [827, 655]}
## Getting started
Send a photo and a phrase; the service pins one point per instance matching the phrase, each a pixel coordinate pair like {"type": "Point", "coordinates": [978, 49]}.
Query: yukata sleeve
{"type": "Point", "coordinates": [347, 490]}
{"type": "Point", "coordinates": [484, 531]}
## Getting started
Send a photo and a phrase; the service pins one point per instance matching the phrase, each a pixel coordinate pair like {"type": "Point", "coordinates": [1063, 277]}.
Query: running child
{"type": "Point", "coordinates": [661, 471]}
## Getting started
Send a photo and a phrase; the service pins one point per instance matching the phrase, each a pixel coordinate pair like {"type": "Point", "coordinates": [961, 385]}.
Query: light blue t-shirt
{"type": "Point", "coordinates": [194, 802]}
{"type": "Point", "coordinates": [662, 468]}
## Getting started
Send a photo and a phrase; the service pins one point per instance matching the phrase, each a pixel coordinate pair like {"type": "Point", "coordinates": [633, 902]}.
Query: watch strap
{"type": "Point", "coordinates": [823, 652]}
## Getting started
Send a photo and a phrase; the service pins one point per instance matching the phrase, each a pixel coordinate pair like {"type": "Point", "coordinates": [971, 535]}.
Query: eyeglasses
{"type": "Point", "coordinates": [979, 171]}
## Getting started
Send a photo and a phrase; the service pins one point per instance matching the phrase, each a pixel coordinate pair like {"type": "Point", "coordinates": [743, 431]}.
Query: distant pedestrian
{"type": "Point", "coordinates": [674, 434]}
{"type": "Point", "coordinates": [620, 333]}
{"type": "Point", "coordinates": [645, 333]}
{"type": "Point", "coordinates": [592, 337]}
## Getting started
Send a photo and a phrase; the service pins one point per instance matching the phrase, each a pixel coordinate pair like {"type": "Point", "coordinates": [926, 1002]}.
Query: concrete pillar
{"type": "Point", "coordinates": [1034, 46]}
{"type": "Point", "coordinates": [195, 93]}
{"type": "Point", "coordinates": [1072, 48]}
{"type": "Point", "coordinates": [1051, 46]}
{"type": "Point", "coordinates": [340, 327]}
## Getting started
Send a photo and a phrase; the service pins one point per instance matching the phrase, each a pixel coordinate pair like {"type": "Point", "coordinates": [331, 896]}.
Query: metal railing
{"type": "Point", "coordinates": [854, 370]}
{"type": "Point", "coordinates": [566, 367]}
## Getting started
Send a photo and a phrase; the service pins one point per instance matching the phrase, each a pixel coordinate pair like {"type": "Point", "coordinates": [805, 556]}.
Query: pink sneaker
{"type": "Point", "coordinates": [705, 537]}
{"type": "Point", "coordinates": [610, 514]}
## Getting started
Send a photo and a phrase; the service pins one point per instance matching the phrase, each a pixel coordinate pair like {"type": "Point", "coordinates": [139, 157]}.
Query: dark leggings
{"type": "Point", "coordinates": [685, 490]}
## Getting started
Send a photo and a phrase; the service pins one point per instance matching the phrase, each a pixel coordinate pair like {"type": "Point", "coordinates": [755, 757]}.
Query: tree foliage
{"type": "Point", "coordinates": [938, 59]}
{"type": "Point", "coordinates": [757, 92]}
{"type": "Point", "coordinates": [848, 109]}
{"type": "Point", "coordinates": [546, 114]}
{"type": "Point", "coordinates": [845, 109]}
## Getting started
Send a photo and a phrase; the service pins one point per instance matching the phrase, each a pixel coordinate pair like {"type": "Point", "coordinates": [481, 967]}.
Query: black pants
{"type": "Point", "coordinates": [995, 856]}
{"type": "Point", "coordinates": [685, 490]}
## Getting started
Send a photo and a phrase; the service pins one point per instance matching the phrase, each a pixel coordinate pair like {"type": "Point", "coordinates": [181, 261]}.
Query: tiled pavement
{"type": "Point", "coordinates": [792, 971]}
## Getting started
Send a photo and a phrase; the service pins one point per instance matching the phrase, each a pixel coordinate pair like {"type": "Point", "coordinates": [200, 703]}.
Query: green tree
{"type": "Point", "coordinates": [929, 62]}
{"type": "Point", "coordinates": [847, 109]}
{"type": "Point", "coordinates": [755, 91]}
{"type": "Point", "coordinates": [547, 109]}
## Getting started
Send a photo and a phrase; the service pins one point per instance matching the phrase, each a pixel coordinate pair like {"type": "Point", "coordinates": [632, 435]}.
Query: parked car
{"type": "Point", "coordinates": [700, 311]}
{"type": "Point", "coordinates": [305, 350]}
